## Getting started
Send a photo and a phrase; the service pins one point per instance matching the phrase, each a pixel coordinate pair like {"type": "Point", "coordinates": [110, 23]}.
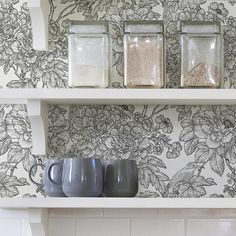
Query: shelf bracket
{"type": "Point", "coordinates": [39, 10]}
{"type": "Point", "coordinates": [38, 221]}
{"type": "Point", "coordinates": [38, 115]}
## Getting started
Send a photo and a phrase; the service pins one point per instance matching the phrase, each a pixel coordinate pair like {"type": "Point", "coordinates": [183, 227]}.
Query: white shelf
{"type": "Point", "coordinates": [39, 10]}
{"type": "Point", "coordinates": [37, 101]}
{"type": "Point", "coordinates": [45, 203]}
{"type": "Point", "coordinates": [120, 96]}
{"type": "Point", "coordinates": [38, 207]}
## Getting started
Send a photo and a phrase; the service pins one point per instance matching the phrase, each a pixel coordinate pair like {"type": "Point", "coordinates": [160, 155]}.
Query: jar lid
{"type": "Point", "coordinates": [88, 27]}
{"type": "Point", "coordinates": [143, 27]}
{"type": "Point", "coordinates": [201, 27]}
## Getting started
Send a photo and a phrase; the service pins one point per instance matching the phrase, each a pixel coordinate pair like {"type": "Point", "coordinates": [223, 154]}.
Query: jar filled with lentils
{"type": "Point", "coordinates": [201, 54]}
{"type": "Point", "coordinates": [144, 54]}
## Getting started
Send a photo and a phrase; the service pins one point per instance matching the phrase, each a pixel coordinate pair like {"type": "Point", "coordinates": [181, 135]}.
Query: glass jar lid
{"type": "Point", "coordinates": [143, 27]}
{"type": "Point", "coordinates": [86, 27]}
{"type": "Point", "coordinates": [201, 27]}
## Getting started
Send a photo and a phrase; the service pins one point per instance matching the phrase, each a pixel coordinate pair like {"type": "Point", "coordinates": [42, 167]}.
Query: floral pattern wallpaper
{"type": "Point", "coordinates": [181, 151]}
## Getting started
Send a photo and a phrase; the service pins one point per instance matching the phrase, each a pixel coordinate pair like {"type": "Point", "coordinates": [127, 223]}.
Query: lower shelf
{"type": "Point", "coordinates": [38, 207]}
{"type": "Point", "coordinates": [25, 203]}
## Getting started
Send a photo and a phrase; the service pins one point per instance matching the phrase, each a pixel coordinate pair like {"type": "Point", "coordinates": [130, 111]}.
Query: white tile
{"type": "Point", "coordinates": [103, 227]}
{"type": "Point", "coordinates": [10, 227]}
{"type": "Point", "coordinates": [211, 227]}
{"type": "Point", "coordinates": [130, 212]}
{"type": "Point", "coordinates": [54, 213]}
{"type": "Point", "coordinates": [185, 213]}
{"type": "Point", "coordinates": [61, 227]}
{"type": "Point", "coordinates": [12, 213]}
{"type": "Point", "coordinates": [157, 227]}
{"type": "Point", "coordinates": [224, 213]}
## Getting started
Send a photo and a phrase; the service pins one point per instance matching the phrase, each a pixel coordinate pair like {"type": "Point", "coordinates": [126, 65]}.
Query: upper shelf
{"type": "Point", "coordinates": [207, 203]}
{"type": "Point", "coordinates": [120, 96]}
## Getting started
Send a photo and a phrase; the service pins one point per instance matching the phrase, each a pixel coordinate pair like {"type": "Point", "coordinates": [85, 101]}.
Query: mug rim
{"type": "Point", "coordinates": [120, 160]}
{"type": "Point", "coordinates": [82, 158]}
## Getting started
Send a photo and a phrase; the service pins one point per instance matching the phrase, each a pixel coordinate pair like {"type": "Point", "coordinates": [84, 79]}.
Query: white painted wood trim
{"type": "Point", "coordinates": [173, 203]}
{"type": "Point", "coordinates": [39, 10]}
{"type": "Point", "coordinates": [38, 222]}
{"type": "Point", "coordinates": [121, 96]}
{"type": "Point", "coordinates": [38, 115]}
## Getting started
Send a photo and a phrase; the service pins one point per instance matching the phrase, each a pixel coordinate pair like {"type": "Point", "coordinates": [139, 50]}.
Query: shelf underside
{"type": "Point", "coordinates": [120, 96]}
{"type": "Point", "coordinates": [24, 203]}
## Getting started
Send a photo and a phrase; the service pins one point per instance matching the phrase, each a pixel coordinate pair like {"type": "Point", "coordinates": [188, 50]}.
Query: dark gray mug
{"type": "Point", "coordinates": [120, 178]}
{"type": "Point", "coordinates": [81, 177]}
{"type": "Point", "coordinates": [51, 189]}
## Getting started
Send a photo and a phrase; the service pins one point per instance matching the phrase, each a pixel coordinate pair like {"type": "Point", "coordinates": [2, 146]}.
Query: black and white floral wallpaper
{"type": "Point", "coordinates": [182, 151]}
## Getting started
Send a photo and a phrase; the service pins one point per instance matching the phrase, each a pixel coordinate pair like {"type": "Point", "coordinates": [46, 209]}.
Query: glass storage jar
{"type": "Point", "coordinates": [144, 54]}
{"type": "Point", "coordinates": [89, 54]}
{"type": "Point", "coordinates": [201, 54]}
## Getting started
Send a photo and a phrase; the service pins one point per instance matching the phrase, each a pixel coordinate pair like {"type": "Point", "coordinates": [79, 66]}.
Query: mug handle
{"type": "Point", "coordinates": [50, 172]}
{"type": "Point", "coordinates": [30, 172]}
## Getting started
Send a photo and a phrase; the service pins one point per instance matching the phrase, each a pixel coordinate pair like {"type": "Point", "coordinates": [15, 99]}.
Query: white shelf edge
{"type": "Point", "coordinates": [121, 96]}
{"type": "Point", "coordinates": [173, 203]}
{"type": "Point", "coordinates": [39, 10]}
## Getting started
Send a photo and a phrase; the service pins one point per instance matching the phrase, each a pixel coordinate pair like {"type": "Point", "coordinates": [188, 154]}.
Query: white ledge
{"type": "Point", "coordinates": [121, 96]}
{"type": "Point", "coordinates": [193, 203]}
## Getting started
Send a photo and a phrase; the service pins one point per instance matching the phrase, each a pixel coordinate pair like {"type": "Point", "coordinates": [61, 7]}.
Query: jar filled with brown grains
{"type": "Point", "coordinates": [201, 54]}
{"type": "Point", "coordinates": [144, 54]}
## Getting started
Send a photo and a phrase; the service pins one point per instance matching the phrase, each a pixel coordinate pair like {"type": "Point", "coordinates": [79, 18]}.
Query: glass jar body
{"type": "Point", "coordinates": [89, 60]}
{"type": "Point", "coordinates": [144, 56]}
{"type": "Point", "coordinates": [201, 60]}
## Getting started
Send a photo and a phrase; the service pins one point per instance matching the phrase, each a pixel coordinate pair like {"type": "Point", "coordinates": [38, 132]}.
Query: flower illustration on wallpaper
{"type": "Point", "coordinates": [210, 135]}
{"type": "Point", "coordinates": [18, 129]}
{"type": "Point", "coordinates": [217, 11]}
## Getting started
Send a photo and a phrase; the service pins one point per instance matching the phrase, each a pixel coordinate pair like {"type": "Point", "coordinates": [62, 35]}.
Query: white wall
{"type": "Point", "coordinates": [123, 222]}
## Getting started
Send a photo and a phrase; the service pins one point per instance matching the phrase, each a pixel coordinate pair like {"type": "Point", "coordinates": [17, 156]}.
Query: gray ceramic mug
{"type": "Point", "coordinates": [120, 178]}
{"type": "Point", "coordinates": [81, 177]}
{"type": "Point", "coordinates": [51, 189]}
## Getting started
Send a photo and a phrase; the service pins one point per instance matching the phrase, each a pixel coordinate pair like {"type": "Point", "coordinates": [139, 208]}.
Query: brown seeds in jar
{"type": "Point", "coordinates": [202, 75]}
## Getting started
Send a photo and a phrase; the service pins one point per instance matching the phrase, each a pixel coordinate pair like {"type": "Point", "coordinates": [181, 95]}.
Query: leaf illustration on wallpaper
{"type": "Point", "coordinates": [9, 184]}
{"type": "Point", "coordinates": [5, 138]}
{"type": "Point", "coordinates": [150, 173]}
{"type": "Point", "coordinates": [148, 194]}
{"type": "Point", "coordinates": [194, 187]}
{"type": "Point", "coordinates": [185, 183]}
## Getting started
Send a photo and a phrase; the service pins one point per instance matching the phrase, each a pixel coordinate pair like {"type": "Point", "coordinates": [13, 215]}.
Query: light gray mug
{"type": "Point", "coordinates": [81, 177]}
{"type": "Point", "coordinates": [120, 178]}
{"type": "Point", "coordinates": [51, 189]}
